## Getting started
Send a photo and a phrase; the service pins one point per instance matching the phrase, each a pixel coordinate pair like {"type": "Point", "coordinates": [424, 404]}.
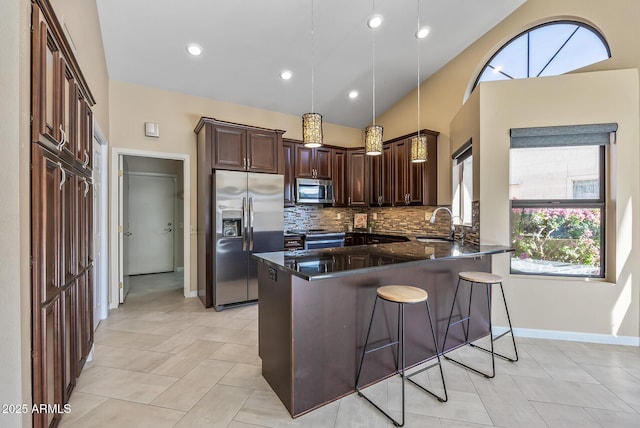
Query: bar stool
{"type": "Point", "coordinates": [487, 279]}
{"type": "Point", "coordinates": [401, 294]}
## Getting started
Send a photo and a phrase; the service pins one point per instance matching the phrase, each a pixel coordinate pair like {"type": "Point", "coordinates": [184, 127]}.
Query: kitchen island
{"type": "Point", "coordinates": [315, 307]}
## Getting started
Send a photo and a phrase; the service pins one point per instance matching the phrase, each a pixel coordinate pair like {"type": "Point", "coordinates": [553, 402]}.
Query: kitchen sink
{"type": "Point", "coordinates": [433, 239]}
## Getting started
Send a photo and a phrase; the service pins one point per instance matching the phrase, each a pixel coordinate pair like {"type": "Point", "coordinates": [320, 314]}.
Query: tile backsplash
{"type": "Point", "coordinates": [409, 220]}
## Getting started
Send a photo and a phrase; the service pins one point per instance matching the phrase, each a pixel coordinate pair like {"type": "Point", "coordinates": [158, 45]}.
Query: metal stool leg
{"type": "Point", "coordinates": [439, 364]}
{"type": "Point", "coordinates": [510, 330]}
{"type": "Point", "coordinates": [453, 305]}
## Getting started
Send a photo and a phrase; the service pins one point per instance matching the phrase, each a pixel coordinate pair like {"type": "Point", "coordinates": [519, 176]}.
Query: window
{"type": "Point", "coordinates": [462, 177]}
{"type": "Point", "coordinates": [556, 187]}
{"type": "Point", "coordinates": [549, 49]}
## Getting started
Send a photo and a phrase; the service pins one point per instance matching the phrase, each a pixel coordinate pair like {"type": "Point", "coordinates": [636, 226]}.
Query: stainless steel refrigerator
{"type": "Point", "coordinates": [249, 215]}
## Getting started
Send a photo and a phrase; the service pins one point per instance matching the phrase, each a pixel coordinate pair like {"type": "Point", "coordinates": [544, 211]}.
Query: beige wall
{"type": "Point", "coordinates": [15, 279]}
{"type": "Point", "coordinates": [177, 115]}
{"type": "Point", "coordinates": [608, 307]}
{"type": "Point", "coordinates": [80, 18]}
{"type": "Point", "coordinates": [442, 95]}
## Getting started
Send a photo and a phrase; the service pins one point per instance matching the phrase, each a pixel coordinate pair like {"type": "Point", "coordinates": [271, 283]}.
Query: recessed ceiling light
{"type": "Point", "coordinates": [353, 95]}
{"type": "Point", "coordinates": [194, 49]}
{"type": "Point", "coordinates": [375, 21]}
{"type": "Point", "coordinates": [286, 74]}
{"type": "Point", "coordinates": [423, 32]}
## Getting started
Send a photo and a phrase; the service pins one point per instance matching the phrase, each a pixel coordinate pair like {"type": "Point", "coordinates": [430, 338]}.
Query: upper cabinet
{"type": "Point", "coordinates": [313, 163]}
{"type": "Point", "coordinates": [414, 183]}
{"type": "Point", "coordinates": [381, 179]}
{"type": "Point", "coordinates": [243, 148]}
{"type": "Point", "coordinates": [357, 182]}
{"type": "Point", "coordinates": [339, 177]}
{"type": "Point", "coordinates": [61, 101]}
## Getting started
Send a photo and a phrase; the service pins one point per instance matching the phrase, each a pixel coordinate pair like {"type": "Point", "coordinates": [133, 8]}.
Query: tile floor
{"type": "Point", "coordinates": [164, 361]}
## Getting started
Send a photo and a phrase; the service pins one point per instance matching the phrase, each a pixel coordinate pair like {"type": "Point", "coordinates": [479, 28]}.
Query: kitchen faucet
{"type": "Point", "coordinates": [451, 218]}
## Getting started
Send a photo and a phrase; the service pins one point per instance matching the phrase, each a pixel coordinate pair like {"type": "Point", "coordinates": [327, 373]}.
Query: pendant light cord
{"type": "Point", "coordinates": [373, 60]}
{"type": "Point", "coordinates": [418, 71]}
{"type": "Point", "coordinates": [312, 58]}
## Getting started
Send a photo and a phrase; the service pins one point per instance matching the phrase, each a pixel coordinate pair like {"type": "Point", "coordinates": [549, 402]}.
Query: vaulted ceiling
{"type": "Point", "coordinates": [247, 43]}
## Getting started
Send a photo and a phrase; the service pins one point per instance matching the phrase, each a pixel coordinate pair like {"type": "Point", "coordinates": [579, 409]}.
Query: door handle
{"type": "Point", "coordinates": [244, 221]}
{"type": "Point", "coordinates": [250, 224]}
{"type": "Point", "coordinates": [128, 234]}
{"type": "Point", "coordinates": [168, 229]}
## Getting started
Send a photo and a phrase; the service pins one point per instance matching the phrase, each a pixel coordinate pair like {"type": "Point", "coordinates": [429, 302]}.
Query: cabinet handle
{"type": "Point", "coordinates": [63, 139]}
{"type": "Point", "coordinates": [248, 163]}
{"type": "Point", "coordinates": [86, 187]}
{"type": "Point", "coordinates": [349, 201]}
{"type": "Point", "coordinates": [86, 160]}
{"type": "Point", "coordinates": [380, 200]}
{"type": "Point", "coordinates": [64, 175]}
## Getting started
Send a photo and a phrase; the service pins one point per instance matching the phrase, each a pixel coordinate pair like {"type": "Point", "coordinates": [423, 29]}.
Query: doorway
{"type": "Point", "coordinates": [150, 203]}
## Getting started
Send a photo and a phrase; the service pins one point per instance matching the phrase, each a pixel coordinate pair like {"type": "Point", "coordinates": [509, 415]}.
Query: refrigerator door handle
{"type": "Point", "coordinates": [244, 223]}
{"type": "Point", "coordinates": [250, 223]}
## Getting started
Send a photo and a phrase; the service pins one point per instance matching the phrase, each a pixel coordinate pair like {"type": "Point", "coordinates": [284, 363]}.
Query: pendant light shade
{"type": "Point", "coordinates": [373, 140]}
{"type": "Point", "coordinates": [312, 122]}
{"type": "Point", "coordinates": [419, 149]}
{"type": "Point", "coordinates": [419, 142]}
{"type": "Point", "coordinates": [373, 133]}
{"type": "Point", "coordinates": [312, 129]}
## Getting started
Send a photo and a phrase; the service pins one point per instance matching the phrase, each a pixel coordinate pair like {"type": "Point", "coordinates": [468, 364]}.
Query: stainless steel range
{"type": "Point", "coordinates": [320, 238]}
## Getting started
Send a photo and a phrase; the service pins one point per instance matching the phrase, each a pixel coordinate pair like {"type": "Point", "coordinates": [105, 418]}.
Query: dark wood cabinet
{"type": "Point", "coordinates": [288, 157]}
{"type": "Point", "coordinates": [381, 177]}
{"type": "Point", "coordinates": [339, 177]}
{"type": "Point", "coordinates": [313, 163]}
{"type": "Point", "coordinates": [414, 183]}
{"type": "Point", "coordinates": [357, 180]}
{"type": "Point", "coordinates": [238, 147]}
{"type": "Point", "coordinates": [61, 216]}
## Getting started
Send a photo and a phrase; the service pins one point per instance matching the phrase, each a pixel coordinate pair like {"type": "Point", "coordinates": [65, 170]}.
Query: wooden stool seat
{"type": "Point", "coordinates": [481, 277]}
{"type": "Point", "coordinates": [402, 294]}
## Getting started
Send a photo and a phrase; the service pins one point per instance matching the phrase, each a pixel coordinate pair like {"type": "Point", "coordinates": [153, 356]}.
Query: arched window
{"type": "Point", "coordinates": [548, 49]}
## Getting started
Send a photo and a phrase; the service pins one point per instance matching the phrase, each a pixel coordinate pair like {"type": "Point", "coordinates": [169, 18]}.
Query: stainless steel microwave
{"type": "Point", "coordinates": [313, 191]}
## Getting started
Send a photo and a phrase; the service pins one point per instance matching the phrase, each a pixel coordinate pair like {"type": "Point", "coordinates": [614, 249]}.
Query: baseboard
{"type": "Point", "coordinates": [180, 269]}
{"type": "Point", "coordinates": [190, 294]}
{"type": "Point", "coordinates": [571, 336]}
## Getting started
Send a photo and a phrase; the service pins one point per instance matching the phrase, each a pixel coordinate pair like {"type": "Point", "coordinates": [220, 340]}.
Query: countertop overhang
{"type": "Point", "coordinates": [319, 264]}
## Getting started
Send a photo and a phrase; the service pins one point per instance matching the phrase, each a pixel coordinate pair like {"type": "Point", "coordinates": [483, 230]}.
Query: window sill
{"type": "Point", "coordinates": [549, 278]}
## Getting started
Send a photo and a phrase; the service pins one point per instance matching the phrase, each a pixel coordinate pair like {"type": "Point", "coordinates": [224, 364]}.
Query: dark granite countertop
{"type": "Point", "coordinates": [335, 262]}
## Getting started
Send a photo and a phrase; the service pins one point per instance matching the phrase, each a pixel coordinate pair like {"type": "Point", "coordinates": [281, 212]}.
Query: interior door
{"type": "Point", "coordinates": [123, 241]}
{"type": "Point", "coordinates": [151, 223]}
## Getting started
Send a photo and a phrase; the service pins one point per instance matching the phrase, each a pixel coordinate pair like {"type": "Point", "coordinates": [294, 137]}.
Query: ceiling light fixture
{"type": "Point", "coordinates": [286, 74]}
{"type": "Point", "coordinates": [353, 95]}
{"type": "Point", "coordinates": [194, 49]}
{"type": "Point", "coordinates": [373, 133]}
{"type": "Point", "coordinates": [312, 122]}
{"type": "Point", "coordinates": [419, 142]}
{"type": "Point", "coordinates": [375, 21]}
{"type": "Point", "coordinates": [423, 32]}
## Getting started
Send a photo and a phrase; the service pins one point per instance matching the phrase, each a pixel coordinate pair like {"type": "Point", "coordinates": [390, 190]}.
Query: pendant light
{"type": "Point", "coordinates": [373, 133]}
{"type": "Point", "coordinates": [419, 142]}
{"type": "Point", "coordinates": [312, 122]}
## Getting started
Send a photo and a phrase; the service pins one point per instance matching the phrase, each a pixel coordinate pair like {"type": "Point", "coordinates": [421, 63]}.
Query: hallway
{"type": "Point", "coordinates": [162, 361]}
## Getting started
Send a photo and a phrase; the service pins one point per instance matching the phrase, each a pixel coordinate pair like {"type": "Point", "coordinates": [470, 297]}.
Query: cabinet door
{"type": "Point", "coordinates": [322, 160]}
{"type": "Point", "coordinates": [288, 152]}
{"type": "Point", "coordinates": [304, 162]}
{"type": "Point", "coordinates": [415, 174]}
{"type": "Point", "coordinates": [45, 82]}
{"type": "Point", "coordinates": [82, 224]}
{"type": "Point", "coordinates": [400, 172]}
{"type": "Point", "coordinates": [68, 227]}
{"type": "Point", "coordinates": [381, 181]}
{"type": "Point", "coordinates": [338, 175]}
{"type": "Point", "coordinates": [430, 172]}
{"type": "Point", "coordinates": [67, 112]}
{"type": "Point", "coordinates": [45, 208]}
{"type": "Point", "coordinates": [83, 313]}
{"type": "Point", "coordinates": [47, 381]}
{"type": "Point", "coordinates": [357, 179]}
{"type": "Point", "coordinates": [262, 148]}
{"type": "Point", "coordinates": [68, 332]}
{"type": "Point", "coordinates": [87, 138]}
{"type": "Point", "coordinates": [229, 148]}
